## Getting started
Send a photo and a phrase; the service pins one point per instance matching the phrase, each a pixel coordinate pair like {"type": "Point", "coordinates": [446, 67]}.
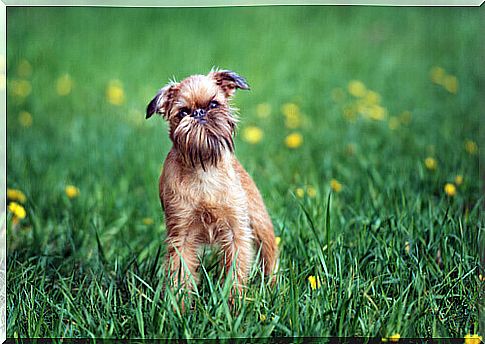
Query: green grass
{"type": "Point", "coordinates": [394, 253]}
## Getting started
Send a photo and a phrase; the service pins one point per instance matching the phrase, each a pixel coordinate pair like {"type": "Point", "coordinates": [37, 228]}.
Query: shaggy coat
{"type": "Point", "coordinates": [207, 196]}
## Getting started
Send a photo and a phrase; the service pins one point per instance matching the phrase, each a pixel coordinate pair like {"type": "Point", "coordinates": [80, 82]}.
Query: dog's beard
{"type": "Point", "coordinates": [204, 143]}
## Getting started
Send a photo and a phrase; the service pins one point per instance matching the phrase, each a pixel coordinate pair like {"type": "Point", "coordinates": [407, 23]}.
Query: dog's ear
{"type": "Point", "coordinates": [229, 81]}
{"type": "Point", "coordinates": [162, 101]}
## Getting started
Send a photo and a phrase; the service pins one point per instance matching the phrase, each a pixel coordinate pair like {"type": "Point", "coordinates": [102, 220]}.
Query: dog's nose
{"type": "Point", "coordinates": [198, 113]}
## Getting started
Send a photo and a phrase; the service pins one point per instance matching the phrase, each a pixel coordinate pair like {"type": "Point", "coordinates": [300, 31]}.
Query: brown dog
{"type": "Point", "coordinates": [207, 196]}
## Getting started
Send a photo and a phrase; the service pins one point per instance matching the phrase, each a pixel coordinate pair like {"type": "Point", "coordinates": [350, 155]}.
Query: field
{"type": "Point", "coordinates": [361, 130]}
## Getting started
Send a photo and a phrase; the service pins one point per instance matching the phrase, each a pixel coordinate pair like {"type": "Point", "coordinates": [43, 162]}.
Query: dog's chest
{"type": "Point", "coordinates": [214, 185]}
{"type": "Point", "coordinates": [210, 194]}
{"type": "Point", "coordinates": [218, 196]}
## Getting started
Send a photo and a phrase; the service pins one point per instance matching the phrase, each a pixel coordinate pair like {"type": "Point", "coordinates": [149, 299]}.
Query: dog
{"type": "Point", "coordinates": [206, 194]}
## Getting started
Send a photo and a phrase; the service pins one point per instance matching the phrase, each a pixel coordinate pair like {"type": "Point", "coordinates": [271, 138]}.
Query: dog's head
{"type": "Point", "coordinates": [200, 118]}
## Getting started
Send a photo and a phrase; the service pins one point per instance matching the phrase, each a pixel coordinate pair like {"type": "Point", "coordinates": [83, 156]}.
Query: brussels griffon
{"type": "Point", "coordinates": [207, 196]}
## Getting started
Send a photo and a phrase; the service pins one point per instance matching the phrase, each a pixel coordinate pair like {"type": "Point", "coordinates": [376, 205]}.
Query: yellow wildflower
{"type": "Point", "coordinates": [311, 191]}
{"type": "Point", "coordinates": [405, 117]}
{"type": "Point", "coordinates": [252, 134]}
{"type": "Point", "coordinates": [294, 140]}
{"type": "Point", "coordinates": [481, 277]}
{"type": "Point", "coordinates": [21, 88]}
{"type": "Point", "coordinates": [300, 193]}
{"type": "Point", "coordinates": [450, 83]}
{"type": "Point", "coordinates": [459, 179]}
{"type": "Point", "coordinates": [377, 113]}
{"type": "Point", "coordinates": [395, 337]}
{"type": "Point", "coordinates": [262, 317]}
{"type": "Point", "coordinates": [372, 97]}
{"type": "Point", "coordinates": [450, 189]}
{"type": "Point", "coordinates": [263, 110]}
{"type": "Point", "coordinates": [437, 75]}
{"type": "Point", "coordinates": [471, 147]}
{"type": "Point", "coordinates": [24, 69]}
{"type": "Point", "coordinates": [393, 123]}
{"type": "Point", "coordinates": [16, 195]}
{"type": "Point", "coordinates": [71, 191]}
{"type": "Point", "coordinates": [17, 210]}
{"type": "Point", "coordinates": [335, 185]}
{"type": "Point", "coordinates": [277, 240]}
{"type": "Point", "coordinates": [430, 163]}
{"type": "Point", "coordinates": [292, 115]}
{"type": "Point", "coordinates": [115, 93]}
{"type": "Point", "coordinates": [473, 339]}
{"type": "Point", "coordinates": [357, 88]}
{"type": "Point", "coordinates": [293, 121]}
{"type": "Point", "coordinates": [147, 221]}
{"type": "Point", "coordinates": [290, 109]}
{"type": "Point", "coordinates": [407, 247]}
{"type": "Point", "coordinates": [64, 85]}
{"type": "Point", "coordinates": [314, 282]}
{"type": "Point", "coordinates": [25, 119]}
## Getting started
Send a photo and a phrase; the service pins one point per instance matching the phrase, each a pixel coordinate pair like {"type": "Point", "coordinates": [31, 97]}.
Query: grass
{"type": "Point", "coordinates": [393, 252]}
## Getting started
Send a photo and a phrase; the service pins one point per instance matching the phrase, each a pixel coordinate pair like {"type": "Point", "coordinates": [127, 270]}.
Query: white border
{"type": "Point", "coordinates": [143, 3]}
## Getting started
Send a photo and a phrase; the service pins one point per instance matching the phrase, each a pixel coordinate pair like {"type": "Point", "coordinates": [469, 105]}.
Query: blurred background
{"type": "Point", "coordinates": [381, 106]}
{"type": "Point", "coordinates": [80, 79]}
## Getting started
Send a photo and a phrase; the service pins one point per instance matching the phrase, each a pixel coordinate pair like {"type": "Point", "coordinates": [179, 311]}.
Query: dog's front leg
{"type": "Point", "coordinates": [182, 261]}
{"type": "Point", "coordinates": [236, 243]}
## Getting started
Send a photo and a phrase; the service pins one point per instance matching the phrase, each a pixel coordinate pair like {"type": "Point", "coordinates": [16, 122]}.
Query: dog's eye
{"type": "Point", "coordinates": [213, 104]}
{"type": "Point", "coordinates": [183, 112]}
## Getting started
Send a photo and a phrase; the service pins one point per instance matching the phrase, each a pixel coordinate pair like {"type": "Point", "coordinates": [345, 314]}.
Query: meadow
{"type": "Point", "coordinates": [361, 129]}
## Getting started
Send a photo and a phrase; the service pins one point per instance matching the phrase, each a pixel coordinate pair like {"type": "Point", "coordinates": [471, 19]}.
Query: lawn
{"type": "Point", "coordinates": [361, 130]}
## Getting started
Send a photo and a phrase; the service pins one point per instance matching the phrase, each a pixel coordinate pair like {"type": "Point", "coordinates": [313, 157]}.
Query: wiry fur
{"type": "Point", "coordinates": [207, 196]}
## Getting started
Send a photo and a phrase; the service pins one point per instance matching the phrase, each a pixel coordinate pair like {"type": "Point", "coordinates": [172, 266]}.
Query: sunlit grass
{"type": "Point", "coordinates": [361, 133]}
